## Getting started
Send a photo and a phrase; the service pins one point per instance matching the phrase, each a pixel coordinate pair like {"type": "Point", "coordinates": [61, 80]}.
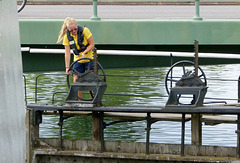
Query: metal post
{"type": "Point", "coordinates": [95, 60]}
{"type": "Point", "coordinates": [196, 57]}
{"type": "Point", "coordinates": [102, 131]}
{"type": "Point", "coordinates": [148, 132]}
{"type": "Point", "coordinates": [171, 71]}
{"type": "Point", "coordinates": [95, 16]}
{"type": "Point", "coordinates": [183, 135]}
{"type": "Point", "coordinates": [239, 89]}
{"type": "Point", "coordinates": [238, 135]}
{"type": "Point", "coordinates": [36, 89]}
{"type": "Point", "coordinates": [25, 89]}
{"type": "Point", "coordinates": [171, 56]}
{"type": "Point", "coordinates": [60, 124]}
{"type": "Point", "coordinates": [197, 15]}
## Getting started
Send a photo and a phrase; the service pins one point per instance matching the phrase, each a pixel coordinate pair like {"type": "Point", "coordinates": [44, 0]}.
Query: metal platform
{"type": "Point", "coordinates": [98, 148]}
{"type": "Point", "coordinates": [231, 109]}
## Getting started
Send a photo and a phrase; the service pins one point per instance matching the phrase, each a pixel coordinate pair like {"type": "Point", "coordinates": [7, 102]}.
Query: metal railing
{"type": "Point", "coordinates": [196, 17]}
{"type": "Point", "coordinates": [148, 110]}
{"type": "Point", "coordinates": [232, 110]}
{"type": "Point", "coordinates": [219, 99]}
{"type": "Point", "coordinates": [95, 4]}
{"type": "Point", "coordinates": [36, 84]}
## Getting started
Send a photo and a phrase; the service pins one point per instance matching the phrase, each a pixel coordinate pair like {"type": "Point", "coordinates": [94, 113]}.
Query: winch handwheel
{"type": "Point", "coordinates": [173, 74]}
{"type": "Point", "coordinates": [75, 72]}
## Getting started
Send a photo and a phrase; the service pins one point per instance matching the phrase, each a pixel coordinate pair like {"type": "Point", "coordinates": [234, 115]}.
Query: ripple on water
{"type": "Point", "coordinates": [161, 132]}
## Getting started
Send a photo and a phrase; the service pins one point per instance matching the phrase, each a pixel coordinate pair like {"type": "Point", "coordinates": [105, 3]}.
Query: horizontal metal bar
{"type": "Point", "coordinates": [151, 95]}
{"type": "Point", "coordinates": [158, 76]}
{"type": "Point", "coordinates": [151, 2]}
{"type": "Point", "coordinates": [139, 53]}
{"type": "Point", "coordinates": [155, 76]}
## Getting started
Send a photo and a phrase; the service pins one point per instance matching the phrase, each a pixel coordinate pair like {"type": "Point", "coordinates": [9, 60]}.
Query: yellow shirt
{"type": "Point", "coordinates": [87, 34]}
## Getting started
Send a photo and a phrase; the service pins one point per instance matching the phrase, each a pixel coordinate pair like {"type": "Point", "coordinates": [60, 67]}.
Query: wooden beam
{"type": "Point", "coordinates": [196, 129]}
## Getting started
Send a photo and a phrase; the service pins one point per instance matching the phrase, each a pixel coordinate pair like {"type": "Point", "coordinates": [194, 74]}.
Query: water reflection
{"type": "Point", "coordinates": [143, 87]}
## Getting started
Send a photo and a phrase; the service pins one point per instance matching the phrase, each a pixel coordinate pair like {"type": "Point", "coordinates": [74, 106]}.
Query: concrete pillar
{"type": "Point", "coordinates": [12, 109]}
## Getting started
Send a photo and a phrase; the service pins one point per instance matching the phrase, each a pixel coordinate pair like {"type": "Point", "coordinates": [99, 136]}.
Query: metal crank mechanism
{"type": "Point", "coordinates": [89, 87]}
{"type": "Point", "coordinates": [181, 82]}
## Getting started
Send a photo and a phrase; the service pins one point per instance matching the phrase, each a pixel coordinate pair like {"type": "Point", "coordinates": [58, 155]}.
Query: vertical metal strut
{"type": "Point", "coordinates": [183, 135]}
{"type": "Point", "coordinates": [196, 57]}
{"type": "Point", "coordinates": [148, 132]}
{"type": "Point", "coordinates": [60, 124]}
{"type": "Point", "coordinates": [102, 131]}
{"type": "Point", "coordinates": [238, 135]}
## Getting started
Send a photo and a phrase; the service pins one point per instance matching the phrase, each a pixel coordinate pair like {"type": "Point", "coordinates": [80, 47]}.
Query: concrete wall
{"type": "Point", "coordinates": [12, 110]}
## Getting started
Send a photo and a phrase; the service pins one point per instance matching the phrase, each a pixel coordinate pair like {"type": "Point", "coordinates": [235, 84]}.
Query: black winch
{"type": "Point", "coordinates": [89, 87]}
{"type": "Point", "coordinates": [190, 85]}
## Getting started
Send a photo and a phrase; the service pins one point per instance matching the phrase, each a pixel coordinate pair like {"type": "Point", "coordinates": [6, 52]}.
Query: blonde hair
{"type": "Point", "coordinates": [68, 21]}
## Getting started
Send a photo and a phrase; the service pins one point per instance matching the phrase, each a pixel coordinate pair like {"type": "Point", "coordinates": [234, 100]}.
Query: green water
{"type": "Point", "coordinates": [48, 84]}
{"type": "Point", "coordinates": [137, 87]}
{"type": "Point", "coordinates": [126, 87]}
